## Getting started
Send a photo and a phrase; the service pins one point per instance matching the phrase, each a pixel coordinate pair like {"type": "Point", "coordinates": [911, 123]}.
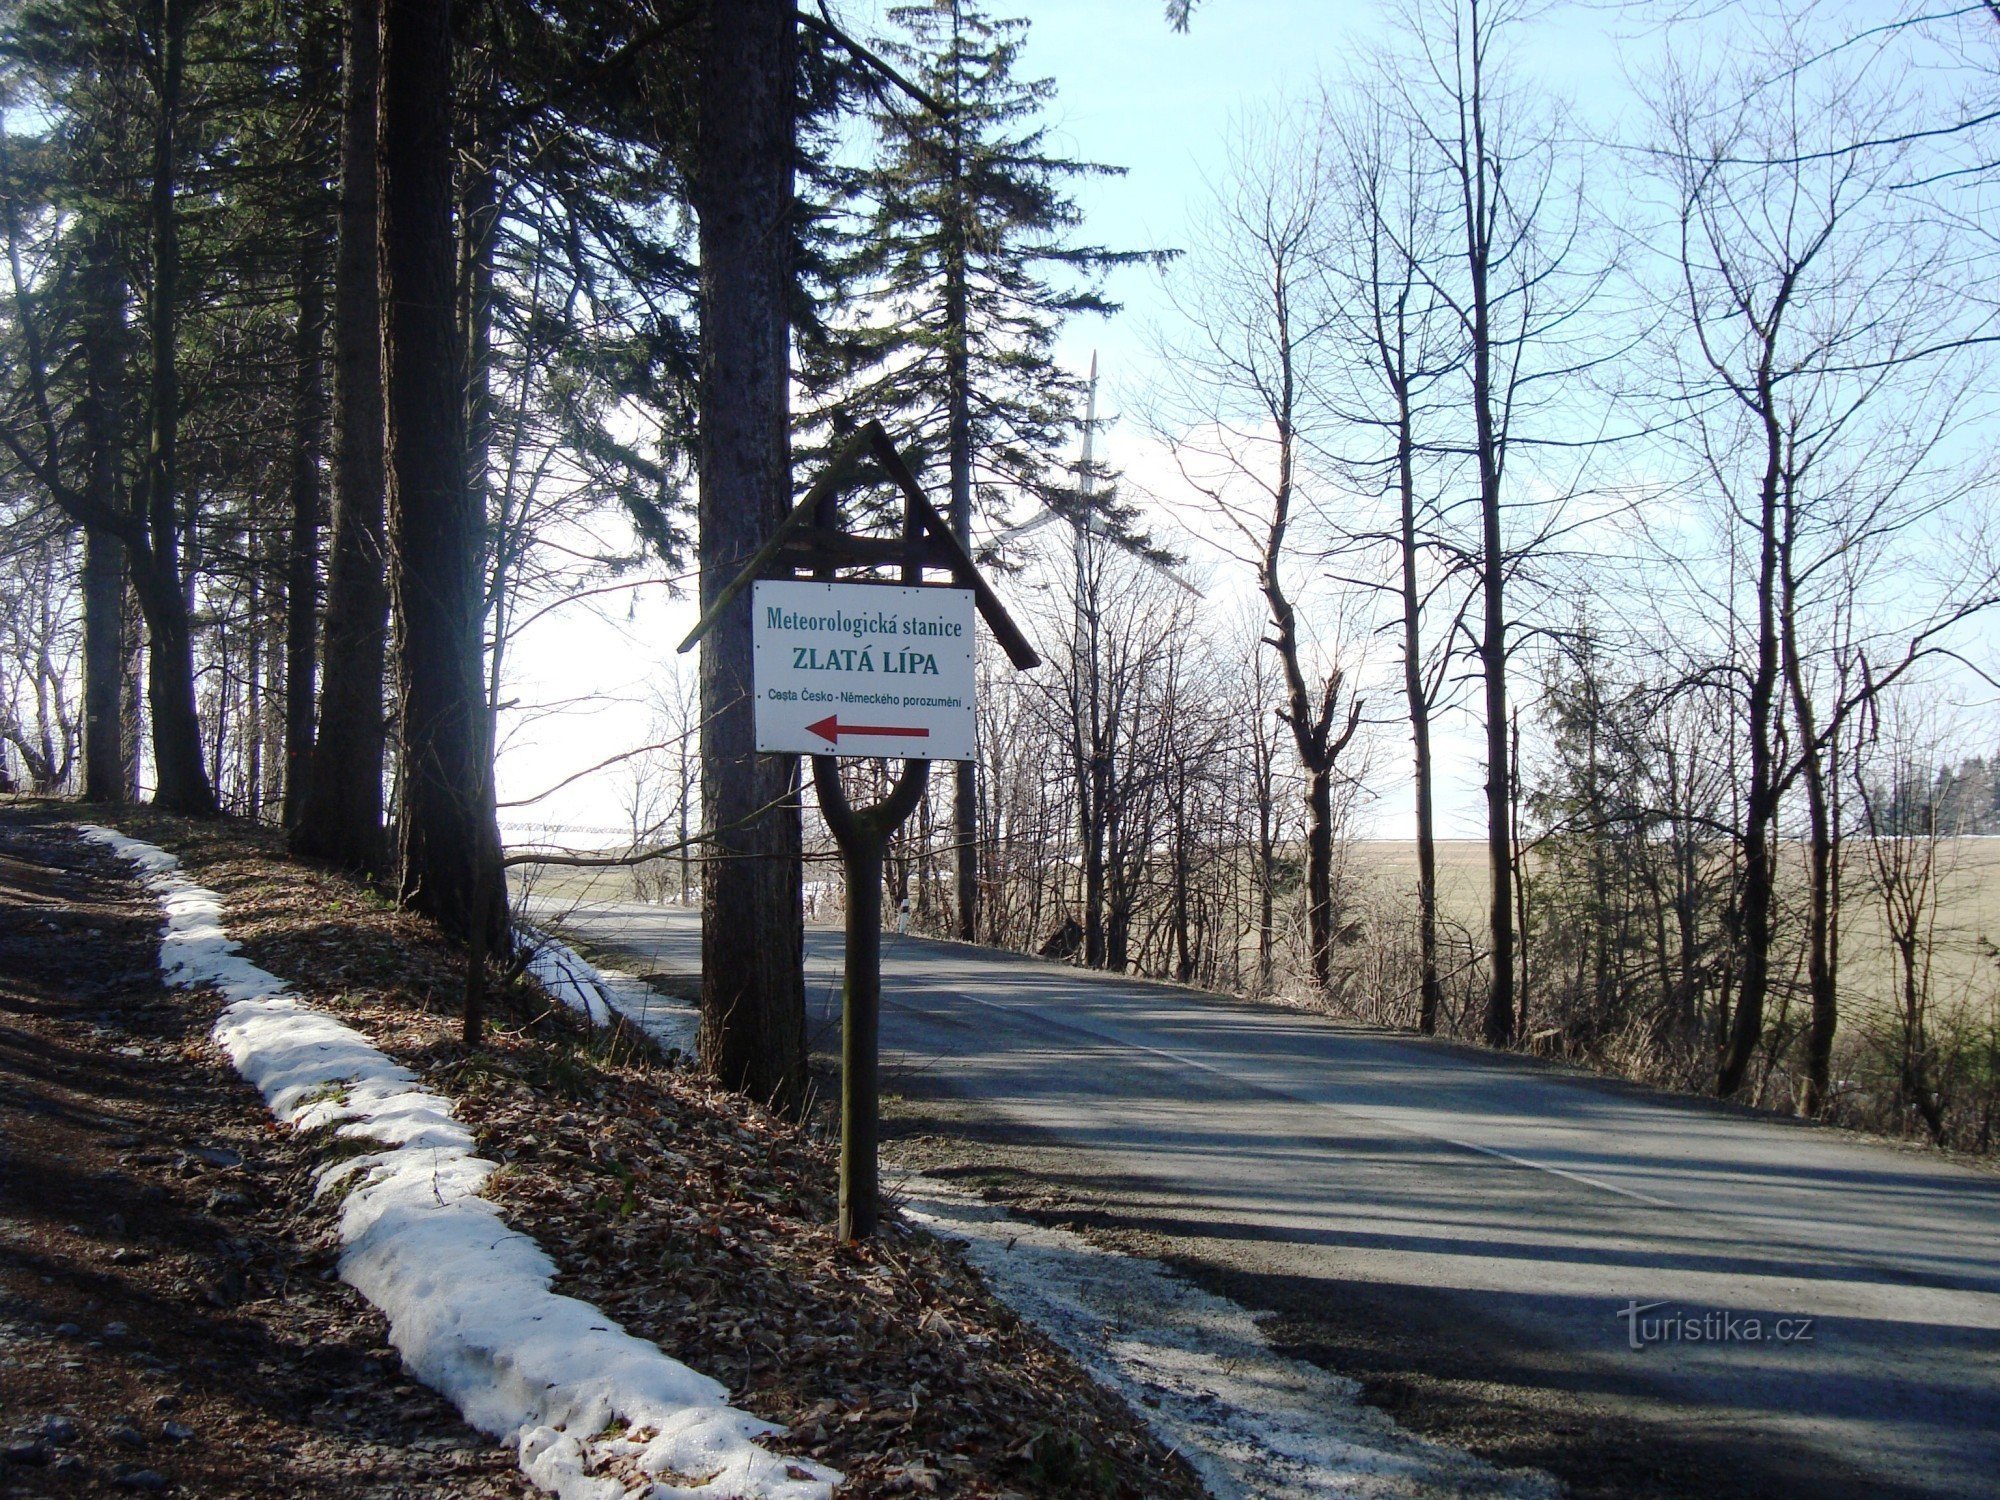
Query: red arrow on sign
{"type": "Point", "coordinates": [831, 729]}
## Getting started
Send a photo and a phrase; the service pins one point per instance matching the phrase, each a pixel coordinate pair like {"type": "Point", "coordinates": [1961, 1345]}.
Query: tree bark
{"type": "Point", "coordinates": [302, 556]}
{"type": "Point", "coordinates": [1757, 883]}
{"type": "Point", "coordinates": [1822, 952]}
{"type": "Point", "coordinates": [1267, 862]}
{"type": "Point", "coordinates": [103, 667]}
{"type": "Point", "coordinates": [753, 994]}
{"type": "Point", "coordinates": [449, 839]}
{"type": "Point", "coordinates": [958, 439]}
{"type": "Point", "coordinates": [1092, 752]}
{"type": "Point", "coordinates": [1500, 994]}
{"type": "Point", "coordinates": [1094, 783]}
{"type": "Point", "coordinates": [104, 564]}
{"type": "Point", "coordinates": [1319, 875]}
{"type": "Point", "coordinates": [1822, 870]}
{"type": "Point", "coordinates": [478, 233]}
{"type": "Point", "coordinates": [965, 774]}
{"type": "Point", "coordinates": [182, 780]}
{"type": "Point", "coordinates": [1118, 899]}
{"type": "Point", "coordinates": [1419, 706]}
{"type": "Point", "coordinates": [340, 817]}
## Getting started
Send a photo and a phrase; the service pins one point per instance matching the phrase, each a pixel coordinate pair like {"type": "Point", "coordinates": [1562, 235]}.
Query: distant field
{"type": "Point", "coordinates": [1968, 918]}
{"type": "Point", "coordinates": [1461, 869]}
{"type": "Point", "coordinates": [583, 887]}
{"type": "Point", "coordinates": [1967, 925]}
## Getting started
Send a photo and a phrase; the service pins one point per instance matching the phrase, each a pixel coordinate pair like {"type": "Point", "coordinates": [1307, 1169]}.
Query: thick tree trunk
{"type": "Point", "coordinates": [183, 785]}
{"type": "Point", "coordinates": [958, 383]}
{"type": "Point", "coordinates": [1822, 958]}
{"type": "Point", "coordinates": [302, 550]}
{"type": "Point", "coordinates": [478, 230]}
{"type": "Point", "coordinates": [448, 836]}
{"type": "Point", "coordinates": [1184, 961]}
{"type": "Point", "coordinates": [1095, 781]}
{"type": "Point", "coordinates": [965, 774]}
{"type": "Point", "coordinates": [1500, 994]}
{"type": "Point", "coordinates": [103, 667]}
{"type": "Point", "coordinates": [1822, 870]}
{"type": "Point", "coordinates": [1319, 875]}
{"type": "Point", "coordinates": [340, 818]}
{"type": "Point", "coordinates": [1118, 898]}
{"type": "Point", "coordinates": [753, 997]}
{"type": "Point", "coordinates": [1687, 936]}
{"type": "Point", "coordinates": [104, 564]}
{"type": "Point", "coordinates": [1267, 883]}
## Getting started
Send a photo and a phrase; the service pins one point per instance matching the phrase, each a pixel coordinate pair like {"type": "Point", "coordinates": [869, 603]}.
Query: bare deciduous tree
{"type": "Point", "coordinates": [1256, 308]}
{"type": "Point", "coordinates": [1814, 378]}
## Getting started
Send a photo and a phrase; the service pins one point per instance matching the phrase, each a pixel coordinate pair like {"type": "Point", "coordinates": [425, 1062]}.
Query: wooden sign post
{"type": "Point", "coordinates": [864, 668]}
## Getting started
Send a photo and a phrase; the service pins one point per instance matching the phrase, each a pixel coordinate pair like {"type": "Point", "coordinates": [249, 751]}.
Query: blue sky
{"type": "Point", "coordinates": [1135, 94]}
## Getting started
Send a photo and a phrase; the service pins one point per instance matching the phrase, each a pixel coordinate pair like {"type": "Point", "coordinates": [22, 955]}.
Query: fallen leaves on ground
{"type": "Point", "coordinates": [170, 1318]}
{"type": "Point", "coordinates": [698, 1219]}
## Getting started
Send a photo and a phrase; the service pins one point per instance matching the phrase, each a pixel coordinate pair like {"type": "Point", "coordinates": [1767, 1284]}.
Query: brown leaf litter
{"type": "Point", "coordinates": [698, 1219]}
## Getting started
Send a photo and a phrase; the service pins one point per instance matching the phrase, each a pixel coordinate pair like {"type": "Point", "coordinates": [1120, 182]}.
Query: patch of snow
{"type": "Point", "coordinates": [598, 992]}
{"type": "Point", "coordinates": [468, 1299]}
{"type": "Point", "coordinates": [1196, 1366]}
{"type": "Point", "coordinates": [562, 971]}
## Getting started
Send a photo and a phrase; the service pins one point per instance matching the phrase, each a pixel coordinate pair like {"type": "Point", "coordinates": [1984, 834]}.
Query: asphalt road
{"type": "Point", "coordinates": [1816, 1314]}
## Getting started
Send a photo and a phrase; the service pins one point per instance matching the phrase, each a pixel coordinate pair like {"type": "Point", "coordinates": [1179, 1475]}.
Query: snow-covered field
{"type": "Point", "coordinates": [468, 1300]}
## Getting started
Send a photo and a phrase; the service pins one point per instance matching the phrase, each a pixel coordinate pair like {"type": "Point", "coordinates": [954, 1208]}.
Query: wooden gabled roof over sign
{"type": "Point", "coordinates": [809, 541]}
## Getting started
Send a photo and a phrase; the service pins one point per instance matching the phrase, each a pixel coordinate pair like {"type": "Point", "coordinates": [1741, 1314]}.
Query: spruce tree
{"type": "Point", "coordinates": [962, 256]}
{"type": "Point", "coordinates": [160, 232]}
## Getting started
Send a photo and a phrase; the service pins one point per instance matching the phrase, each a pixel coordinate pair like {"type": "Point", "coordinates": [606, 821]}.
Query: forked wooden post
{"type": "Point", "coordinates": [863, 835]}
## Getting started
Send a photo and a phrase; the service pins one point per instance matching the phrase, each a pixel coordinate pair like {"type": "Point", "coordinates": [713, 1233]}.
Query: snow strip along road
{"type": "Point", "coordinates": [1649, 1293]}
{"type": "Point", "coordinates": [671, 1024]}
{"type": "Point", "coordinates": [1194, 1366]}
{"type": "Point", "coordinates": [468, 1299]}
{"type": "Point", "coordinates": [1255, 1425]}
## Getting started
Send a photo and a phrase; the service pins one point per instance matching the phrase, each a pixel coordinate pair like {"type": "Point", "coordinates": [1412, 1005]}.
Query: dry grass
{"type": "Point", "coordinates": [1967, 933]}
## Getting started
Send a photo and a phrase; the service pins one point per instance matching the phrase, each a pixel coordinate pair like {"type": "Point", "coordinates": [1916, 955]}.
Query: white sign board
{"type": "Point", "coordinates": [863, 669]}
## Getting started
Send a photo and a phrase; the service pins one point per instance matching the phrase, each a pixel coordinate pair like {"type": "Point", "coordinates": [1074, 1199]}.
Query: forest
{"type": "Point", "coordinates": [347, 344]}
